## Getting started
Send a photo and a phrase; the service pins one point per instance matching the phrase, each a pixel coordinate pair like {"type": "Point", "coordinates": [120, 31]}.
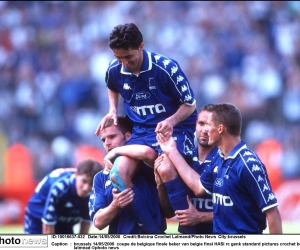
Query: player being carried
{"type": "Point", "coordinates": [157, 99]}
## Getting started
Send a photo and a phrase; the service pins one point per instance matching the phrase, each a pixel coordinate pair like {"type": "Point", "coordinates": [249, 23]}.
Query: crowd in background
{"type": "Point", "coordinates": [54, 54]}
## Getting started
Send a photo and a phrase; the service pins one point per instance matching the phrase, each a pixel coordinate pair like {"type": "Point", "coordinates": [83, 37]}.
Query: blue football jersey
{"type": "Point", "coordinates": [124, 222]}
{"type": "Point", "coordinates": [241, 191]}
{"type": "Point", "coordinates": [155, 94]}
{"type": "Point", "coordinates": [204, 203]}
{"type": "Point", "coordinates": [55, 202]}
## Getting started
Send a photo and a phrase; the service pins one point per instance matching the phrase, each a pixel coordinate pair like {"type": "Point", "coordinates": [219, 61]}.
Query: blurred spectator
{"type": "Point", "coordinates": [53, 57]}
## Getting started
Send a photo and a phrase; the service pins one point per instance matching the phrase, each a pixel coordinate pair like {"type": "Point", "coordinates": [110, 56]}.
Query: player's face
{"type": "Point", "coordinates": [84, 185]}
{"type": "Point", "coordinates": [112, 137]}
{"type": "Point", "coordinates": [201, 133]}
{"type": "Point", "coordinates": [212, 130]}
{"type": "Point", "coordinates": [131, 59]}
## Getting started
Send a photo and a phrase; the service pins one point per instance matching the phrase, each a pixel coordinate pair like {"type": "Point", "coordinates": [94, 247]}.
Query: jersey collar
{"type": "Point", "coordinates": [235, 151]}
{"type": "Point", "coordinates": [211, 154]}
{"type": "Point", "coordinates": [146, 66]}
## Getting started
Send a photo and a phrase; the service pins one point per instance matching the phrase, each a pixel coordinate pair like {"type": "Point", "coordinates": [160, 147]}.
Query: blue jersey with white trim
{"type": "Point", "coordinates": [241, 191]}
{"type": "Point", "coordinates": [55, 199]}
{"type": "Point", "coordinates": [155, 94]}
{"type": "Point", "coordinates": [204, 203]}
{"type": "Point", "coordinates": [124, 223]}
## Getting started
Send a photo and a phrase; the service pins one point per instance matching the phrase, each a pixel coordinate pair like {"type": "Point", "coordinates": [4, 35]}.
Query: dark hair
{"type": "Point", "coordinates": [206, 107]}
{"type": "Point", "coordinates": [89, 167]}
{"type": "Point", "coordinates": [228, 115]}
{"type": "Point", "coordinates": [124, 124]}
{"type": "Point", "coordinates": [125, 36]}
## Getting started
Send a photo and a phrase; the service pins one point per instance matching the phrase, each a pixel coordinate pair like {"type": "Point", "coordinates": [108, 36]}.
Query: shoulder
{"type": "Point", "coordinates": [114, 65]}
{"type": "Point", "coordinates": [101, 177]}
{"type": "Point", "coordinates": [250, 161]}
{"type": "Point", "coordinates": [162, 60]}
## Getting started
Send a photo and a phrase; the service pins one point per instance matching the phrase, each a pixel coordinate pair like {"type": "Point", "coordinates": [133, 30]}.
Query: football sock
{"type": "Point", "coordinates": [177, 191]}
{"type": "Point", "coordinates": [119, 184]}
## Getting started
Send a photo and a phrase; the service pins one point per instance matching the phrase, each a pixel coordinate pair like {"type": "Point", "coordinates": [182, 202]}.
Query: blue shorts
{"type": "Point", "coordinates": [185, 140]}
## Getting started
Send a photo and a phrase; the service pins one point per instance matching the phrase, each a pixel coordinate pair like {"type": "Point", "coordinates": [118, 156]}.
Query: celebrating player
{"type": "Point", "coordinates": [197, 219]}
{"type": "Point", "coordinates": [110, 207]}
{"type": "Point", "coordinates": [157, 98]}
{"type": "Point", "coordinates": [61, 200]}
{"type": "Point", "coordinates": [236, 178]}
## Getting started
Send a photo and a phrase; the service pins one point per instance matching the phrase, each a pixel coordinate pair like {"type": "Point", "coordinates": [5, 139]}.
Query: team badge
{"type": "Point", "coordinates": [151, 83]}
{"type": "Point", "coordinates": [219, 182]}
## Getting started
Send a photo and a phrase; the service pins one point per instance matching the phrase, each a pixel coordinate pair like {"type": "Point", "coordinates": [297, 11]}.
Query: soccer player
{"type": "Point", "coordinates": [198, 217]}
{"type": "Point", "coordinates": [157, 98]}
{"type": "Point", "coordinates": [107, 206]}
{"type": "Point", "coordinates": [61, 200]}
{"type": "Point", "coordinates": [243, 200]}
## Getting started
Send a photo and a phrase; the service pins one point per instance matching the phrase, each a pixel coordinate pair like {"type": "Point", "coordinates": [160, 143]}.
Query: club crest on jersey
{"type": "Point", "coordinates": [188, 146]}
{"type": "Point", "coordinates": [219, 182]}
{"type": "Point", "coordinates": [126, 86]}
{"type": "Point", "coordinates": [151, 83]}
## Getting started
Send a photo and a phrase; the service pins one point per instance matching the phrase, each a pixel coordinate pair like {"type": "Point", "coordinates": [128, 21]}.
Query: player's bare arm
{"type": "Point", "coordinates": [166, 126]}
{"type": "Point", "coordinates": [106, 215]}
{"type": "Point", "coordinates": [188, 175]}
{"type": "Point", "coordinates": [84, 227]}
{"type": "Point", "coordinates": [164, 202]}
{"type": "Point", "coordinates": [113, 98]}
{"type": "Point", "coordinates": [48, 229]}
{"type": "Point", "coordinates": [138, 152]}
{"type": "Point", "coordinates": [274, 220]}
{"type": "Point", "coordinates": [192, 217]}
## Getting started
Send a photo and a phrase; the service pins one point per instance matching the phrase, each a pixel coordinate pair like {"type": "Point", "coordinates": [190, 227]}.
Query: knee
{"type": "Point", "coordinates": [167, 171]}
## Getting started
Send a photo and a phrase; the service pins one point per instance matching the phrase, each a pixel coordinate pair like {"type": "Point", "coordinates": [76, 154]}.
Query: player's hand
{"type": "Point", "coordinates": [109, 116]}
{"type": "Point", "coordinates": [167, 144]}
{"type": "Point", "coordinates": [157, 163]}
{"type": "Point", "coordinates": [108, 160]}
{"type": "Point", "coordinates": [122, 199]}
{"type": "Point", "coordinates": [188, 217]}
{"type": "Point", "coordinates": [165, 127]}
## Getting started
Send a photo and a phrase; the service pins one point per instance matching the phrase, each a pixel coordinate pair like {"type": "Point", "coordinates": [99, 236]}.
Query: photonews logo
{"type": "Point", "coordinates": [31, 241]}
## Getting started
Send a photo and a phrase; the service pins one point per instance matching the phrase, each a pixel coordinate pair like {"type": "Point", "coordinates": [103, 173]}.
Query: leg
{"type": "Point", "coordinates": [138, 208]}
{"type": "Point", "coordinates": [123, 171]}
{"type": "Point", "coordinates": [176, 188]}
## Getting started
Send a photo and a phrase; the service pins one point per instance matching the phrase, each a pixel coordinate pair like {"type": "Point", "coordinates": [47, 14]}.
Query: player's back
{"type": "Point", "coordinates": [39, 198]}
